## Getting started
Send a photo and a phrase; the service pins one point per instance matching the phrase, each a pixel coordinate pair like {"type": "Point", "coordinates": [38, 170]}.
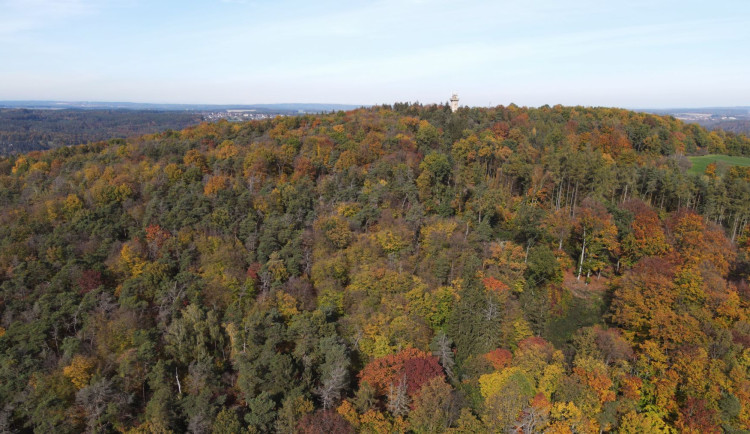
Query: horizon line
{"type": "Point", "coordinates": [51, 101]}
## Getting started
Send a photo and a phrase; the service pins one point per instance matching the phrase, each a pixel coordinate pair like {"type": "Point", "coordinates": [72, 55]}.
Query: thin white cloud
{"type": "Point", "coordinates": [367, 50]}
{"type": "Point", "coordinates": [19, 16]}
{"type": "Point", "coordinates": [456, 57]}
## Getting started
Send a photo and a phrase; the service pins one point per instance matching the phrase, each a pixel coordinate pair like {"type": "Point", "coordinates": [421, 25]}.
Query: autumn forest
{"type": "Point", "coordinates": [388, 269]}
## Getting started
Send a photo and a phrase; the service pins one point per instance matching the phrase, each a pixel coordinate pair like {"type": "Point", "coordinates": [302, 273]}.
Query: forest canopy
{"type": "Point", "coordinates": [389, 269]}
{"type": "Point", "coordinates": [24, 130]}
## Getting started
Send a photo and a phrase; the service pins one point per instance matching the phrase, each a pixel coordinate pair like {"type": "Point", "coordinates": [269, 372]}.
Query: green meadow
{"type": "Point", "coordinates": [722, 162]}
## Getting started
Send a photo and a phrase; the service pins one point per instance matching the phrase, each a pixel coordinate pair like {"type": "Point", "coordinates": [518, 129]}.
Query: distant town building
{"type": "Point", "coordinates": [454, 102]}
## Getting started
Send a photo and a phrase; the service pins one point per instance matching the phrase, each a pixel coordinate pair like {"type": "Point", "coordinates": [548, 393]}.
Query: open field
{"type": "Point", "coordinates": [722, 162]}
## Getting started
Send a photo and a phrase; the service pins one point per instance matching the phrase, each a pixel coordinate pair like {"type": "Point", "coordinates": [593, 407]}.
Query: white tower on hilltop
{"type": "Point", "coordinates": [454, 102]}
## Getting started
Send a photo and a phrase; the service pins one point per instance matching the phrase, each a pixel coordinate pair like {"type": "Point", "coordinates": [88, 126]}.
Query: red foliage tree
{"type": "Point", "coordinates": [536, 343]}
{"type": "Point", "coordinates": [253, 270]}
{"type": "Point", "coordinates": [414, 365]}
{"type": "Point", "coordinates": [324, 422]}
{"type": "Point", "coordinates": [156, 237]}
{"type": "Point", "coordinates": [495, 285]}
{"type": "Point", "coordinates": [420, 370]}
{"type": "Point", "coordinates": [695, 416]}
{"type": "Point", "coordinates": [500, 358]}
{"type": "Point", "coordinates": [89, 281]}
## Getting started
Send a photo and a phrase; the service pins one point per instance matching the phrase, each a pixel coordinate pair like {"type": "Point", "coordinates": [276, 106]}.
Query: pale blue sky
{"type": "Point", "coordinates": [591, 52]}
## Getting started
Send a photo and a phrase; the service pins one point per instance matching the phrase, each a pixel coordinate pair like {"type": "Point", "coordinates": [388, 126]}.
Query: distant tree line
{"type": "Point", "coordinates": [24, 130]}
{"type": "Point", "coordinates": [733, 126]}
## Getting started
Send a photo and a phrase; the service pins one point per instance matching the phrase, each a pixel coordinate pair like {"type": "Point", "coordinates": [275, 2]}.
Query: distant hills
{"type": "Point", "coordinates": [741, 111]}
{"type": "Point", "coordinates": [732, 119]}
{"type": "Point", "coordinates": [36, 125]}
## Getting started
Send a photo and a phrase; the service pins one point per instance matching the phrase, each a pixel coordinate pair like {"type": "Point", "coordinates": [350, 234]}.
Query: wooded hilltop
{"type": "Point", "coordinates": [388, 269]}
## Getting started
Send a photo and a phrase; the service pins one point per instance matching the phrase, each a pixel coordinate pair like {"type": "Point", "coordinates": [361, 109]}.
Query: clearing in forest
{"type": "Point", "coordinates": [722, 163]}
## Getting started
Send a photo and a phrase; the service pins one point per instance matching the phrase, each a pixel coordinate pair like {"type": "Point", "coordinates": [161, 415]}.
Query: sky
{"type": "Point", "coordinates": [633, 54]}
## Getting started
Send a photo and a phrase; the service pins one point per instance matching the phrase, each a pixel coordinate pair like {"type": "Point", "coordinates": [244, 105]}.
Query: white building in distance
{"type": "Point", "coordinates": [454, 102]}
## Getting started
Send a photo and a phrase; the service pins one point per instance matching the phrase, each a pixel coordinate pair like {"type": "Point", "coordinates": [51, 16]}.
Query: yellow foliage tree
{"type": "Point", "coordinates": [21, 166]}
{"type": "Point", "coordinates": [646, 423]}
{"type": "Point", "coordinates": [194, 158]}
{"type": "Point", "coordinates": [132, 258]}
{"type": "Point", "coordinates": [711, 171]}
{"type": "Point", "coordinates": [336, 231]}
{"type": "Point", "coordinates": [215, 184]}
{"type": "Point", "coordinates": [276, 267]}
{"type": "Point", "coordinates": [348, 412]}
{"type": "Point", "coordinates": [437, 234]}
{"type": "Point", "coordinates": [390, 242]}
{"type": "Point", "coordinates": [375, 422]}
{"type": "Point", "coordinates": [286, 304]}
{"type": "Point", "coordinates": [79, 371]}
{"type": "Point", "coordinates": [507, 262]}
{"type": "Point", "coordinates": [226, 150]}
{"type": "Point", "coordinates": [567, 418]}
{"type": "Point", "coordinates": [492, 384]}
{"type": "Point", "coordinates": [173, 172]}
{"type": "Point", "coordinates": [71, 205]}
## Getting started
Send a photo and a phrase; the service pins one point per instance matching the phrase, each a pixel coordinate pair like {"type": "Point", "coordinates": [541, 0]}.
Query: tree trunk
{"type": "Point", "coordinates": [734, 227]}
{"type": "Point", "coordinates": [743, 226]}
{"type": "Point", "coordinates": [179, 386]}
{"type": "Point", "coordinates": [526, 258]}
{"type": "Point", "coordinates": [583, 250]}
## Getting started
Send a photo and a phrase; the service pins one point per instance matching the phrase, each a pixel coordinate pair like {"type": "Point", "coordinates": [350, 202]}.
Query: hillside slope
{"type": "Point", "coordinates": [381, 270]}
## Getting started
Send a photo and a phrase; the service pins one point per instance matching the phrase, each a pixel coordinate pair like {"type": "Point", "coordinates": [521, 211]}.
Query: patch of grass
{"type": "Point", "coordinates": [723, 162]}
